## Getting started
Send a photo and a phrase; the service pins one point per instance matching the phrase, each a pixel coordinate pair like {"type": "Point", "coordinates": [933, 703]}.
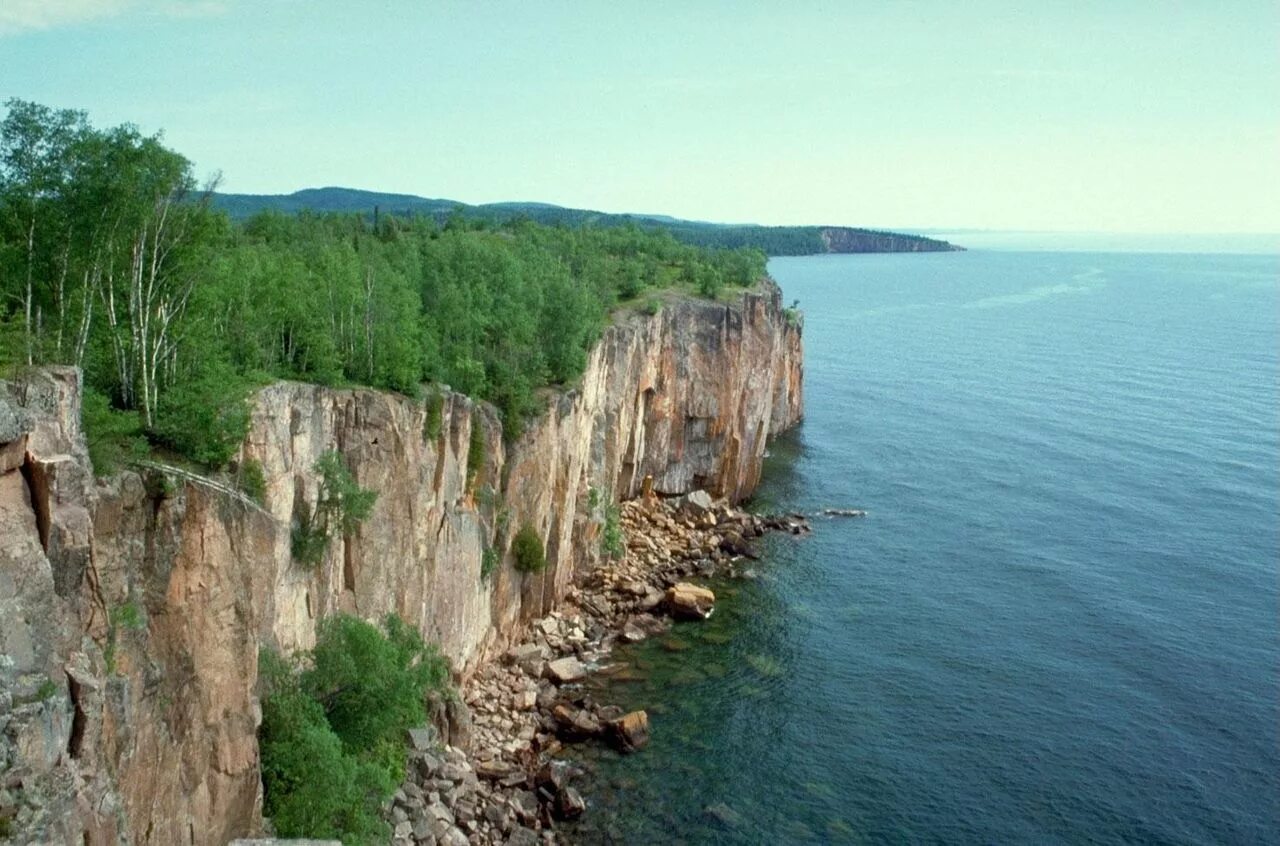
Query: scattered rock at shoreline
{"type": "Point", "coordinates": [630, 731]}
{"type": "Point", "coordinates": [485, 771]}
{"type": "Point", "coordinates": [690, 602]}
{"type": "Point", "coordinates": [566, 670]}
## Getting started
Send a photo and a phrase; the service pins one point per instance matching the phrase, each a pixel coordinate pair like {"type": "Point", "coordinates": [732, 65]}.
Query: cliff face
{"type": "Point", "coordinates": [842, 239]}
{"type": "Point", "coordinates": [132, 611]}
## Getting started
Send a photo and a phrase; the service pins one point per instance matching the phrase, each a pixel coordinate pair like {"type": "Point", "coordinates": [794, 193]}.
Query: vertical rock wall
{"type": "Point", "coordinates": [132, 610]}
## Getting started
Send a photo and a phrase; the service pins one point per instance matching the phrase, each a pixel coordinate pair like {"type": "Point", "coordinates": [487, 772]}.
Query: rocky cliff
{"type": "Point", "coordinates": [132, 609]}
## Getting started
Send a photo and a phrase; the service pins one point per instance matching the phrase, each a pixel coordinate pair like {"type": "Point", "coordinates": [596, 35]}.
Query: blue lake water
{"type": "Point", "coordinates": [1058, 623]}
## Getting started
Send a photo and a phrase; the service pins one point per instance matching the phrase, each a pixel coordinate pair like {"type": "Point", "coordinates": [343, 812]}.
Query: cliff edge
{"type": "Point", "coordinates": [132, 609]}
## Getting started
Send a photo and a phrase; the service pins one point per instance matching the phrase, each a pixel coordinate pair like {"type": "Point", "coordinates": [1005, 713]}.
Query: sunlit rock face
{"type": "Point", "coordinates": [133, 609]}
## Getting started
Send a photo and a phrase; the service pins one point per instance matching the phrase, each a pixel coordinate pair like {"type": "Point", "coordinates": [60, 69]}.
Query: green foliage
{"type": "Point", "coordinates": [309, 539]}
{"type": "Point", "coordinates": [527, 550]}
{"type": "Point", "coordinates": [593, 499]}
{"type": "Point", "coordinates": [342, 501]}
{"type": "Point", "coordinates": [205, 418]}
{"type": "Point", "coordinates": [128, 616]}
{"type": "Point", "coordinates": [612, 541]}
{"type": "Point", "coordinates": [252, 480]}
{"type": "Point", "coordinates": [434, 407]}
{"type": "Point", "coordinates": [331, 734]}
{"type": "Point", "coordinates": [46, 690]}
{"type": "Point", "coordinates": [112, 261]}
{"type": "Point", "coordinates": [342, 505]}
{"type": "Point", "coordinates": [476, 448]}
{"type": "Point", "coordinates": [652, 306]}
{"type": "Point", "coordinates": [487, 497]}
{"type": "Point", "coordinates": [489, 561]}
{"type": "Point", "coordinates": [114, 437]}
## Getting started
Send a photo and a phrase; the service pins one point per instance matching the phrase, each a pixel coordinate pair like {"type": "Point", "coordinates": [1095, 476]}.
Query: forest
{"type": "Point", "coordinates": [115, 259]}
{"type": "Point", "coordinates": [773, 240]}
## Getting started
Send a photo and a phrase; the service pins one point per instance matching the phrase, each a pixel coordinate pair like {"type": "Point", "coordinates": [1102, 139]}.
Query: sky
{"type": "Point", "coordinates": [1077, 116]}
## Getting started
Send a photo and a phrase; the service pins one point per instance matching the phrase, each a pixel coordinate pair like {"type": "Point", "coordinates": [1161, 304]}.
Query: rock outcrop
{"type": "Point", "coordinates": [132, 609]}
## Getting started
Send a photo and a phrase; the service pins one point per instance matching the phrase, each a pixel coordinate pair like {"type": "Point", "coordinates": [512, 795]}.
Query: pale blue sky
{"type": "Point", "coordinates": [1110, 116]}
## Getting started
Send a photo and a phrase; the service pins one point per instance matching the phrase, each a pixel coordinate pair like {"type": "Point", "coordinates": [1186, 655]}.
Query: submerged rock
{"type": "Point", "coordinates": [723, 814]}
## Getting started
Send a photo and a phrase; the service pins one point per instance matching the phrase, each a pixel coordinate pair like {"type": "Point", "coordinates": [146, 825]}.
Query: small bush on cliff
{"type": "Point", "coordinates": [526, 549]}
{"type": "Point", "coordinates": [434, 418]}
{"type": "Point", "coordinates": [612, 541]}
{"type": "Point", "coordinates": [252, 480]}
{"type": "Point", "coordinates": [488, 563]}
{"type": "Point", "coordinates": [331, 735]}
{"type": "Point", "coordinates": [475, 447]}
{"type": "Point", "coordinates": [341, 506]}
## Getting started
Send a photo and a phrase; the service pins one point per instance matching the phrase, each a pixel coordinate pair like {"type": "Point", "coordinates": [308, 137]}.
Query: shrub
{"type": "Point", "coordinates": [488, 563]}
{"type": "Point", "coordinates": [252, 480]}
{"type": "Point", "coordinates": [331, 734]}
{"type": "Point", "coordinates": [114, 437]}
{"type": "Point", "coordinates": [612, 541]}
{"type": "Point", "coordinates": [342, 505]}
{"type": "Point", "coordinates": [526, 547]}
{"type": "Point", "coordinates": [204, 419]}
{"type": "Point", "coordinates": [475, 447]}
{"type": "Point", "coordinates": [128, 616]}
{"type": "Point", "coordinates": [434, 418]}
{"type": "Point", "coordinates": [46, 690]}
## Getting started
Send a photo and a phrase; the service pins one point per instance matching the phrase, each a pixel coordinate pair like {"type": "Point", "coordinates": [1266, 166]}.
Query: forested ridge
{"type": "Point", "coordinates": [115, 259]}
{"type": "Point", "coordinates": [773, 240]}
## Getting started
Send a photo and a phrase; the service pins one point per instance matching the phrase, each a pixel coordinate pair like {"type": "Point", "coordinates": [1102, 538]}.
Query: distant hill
{"type": "Point", "coordinates": [774, 240]}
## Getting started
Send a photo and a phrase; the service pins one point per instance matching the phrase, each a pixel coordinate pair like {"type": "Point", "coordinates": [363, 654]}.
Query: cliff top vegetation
{"type": "Point", "coordinates": [114, 259]}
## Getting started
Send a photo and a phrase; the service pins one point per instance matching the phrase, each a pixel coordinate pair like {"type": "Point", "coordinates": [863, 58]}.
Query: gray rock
{"type": "Point", "coordinates": [524, 837]}
{"type": "Point", "coordinates": [428, 765]}
{"type": "Point", "coordinates": [423, 739]}
{"type": "Point", "coordinates": [695, 504]}
{"type": "Point", "coordinates": [570, 804]}
{"type": "Point", "coordinates": [453, 837]}
{"type": "Point", "coordinates": [452, 771]}
{"type": "Point", "coordinates": [565, 670]}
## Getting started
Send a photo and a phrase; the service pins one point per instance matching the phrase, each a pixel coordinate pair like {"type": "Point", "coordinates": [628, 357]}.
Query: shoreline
{"type": "Point", "coordinates": [498, 779]}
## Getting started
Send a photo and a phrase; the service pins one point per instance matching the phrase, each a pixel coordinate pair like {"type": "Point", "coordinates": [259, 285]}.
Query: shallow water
{"type": "Point", "coordinates": [1058, 623]}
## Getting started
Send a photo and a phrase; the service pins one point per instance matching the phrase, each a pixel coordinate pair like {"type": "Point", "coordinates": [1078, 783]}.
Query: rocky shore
{"type": "Point", "coordinates": [486, 771]}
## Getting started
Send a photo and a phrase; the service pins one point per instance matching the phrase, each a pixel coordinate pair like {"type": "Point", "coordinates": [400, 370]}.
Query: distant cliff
{"type": "Point", "coordinates": [774, 240]}
{"type": "Point", "coordinates": [132, 609]}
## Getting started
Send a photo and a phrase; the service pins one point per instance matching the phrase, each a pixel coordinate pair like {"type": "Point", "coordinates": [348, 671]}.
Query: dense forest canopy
{"type": "Point", "coordinates": [773, 240]}
{"type": "Point", "coordinates": [113, 258]}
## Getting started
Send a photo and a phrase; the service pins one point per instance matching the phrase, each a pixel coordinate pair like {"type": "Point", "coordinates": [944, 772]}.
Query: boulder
{"type": "Point", "coordinates": [690, 602]}
{"type": "Point", "coordinates": [695, 504]}
{"type": "Point", "coordinates": [734, 544]}
{"type": "Point", "coordinates": [423, 739]}
{"type": "Point", "coordinates": [575, 723]}
{"type": "Point", "coordinates": [565, 670]}
{"type": "Point", "coordinates": [555, 776]}
{"type": "Point", "coordinates": [570, 804]}
{"type": "Point", "coordinates": [529, 657]}
{"type": "Point", "coordinates": [630, 731]}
